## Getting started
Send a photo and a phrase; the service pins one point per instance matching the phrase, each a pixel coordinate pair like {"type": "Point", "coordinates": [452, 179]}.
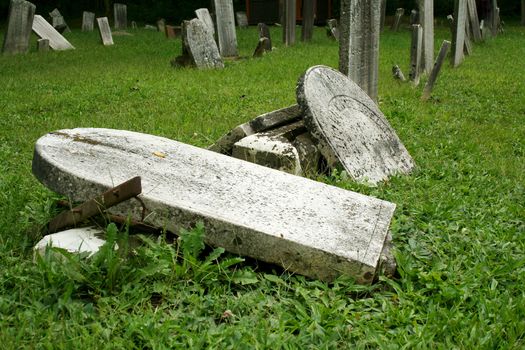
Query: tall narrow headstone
{"type": "Point", "coordinates": [426, 19]}
{"type": "Point", "coordinates": [204, 15]}
{"type": "Point", "coordinates": [383, 14]}
{"type": "Point", "coordinates": [264, 32]}
{"type": "Point", "coordinates": [242, 20]}
{"type": "Point", "coordinates": [226, 28]}
{"type": "Point", "coordinates": [435, 71]}
{"type": "Point", "coordinates": [289, 17]}
{"type": "Point", "coordinates": [18, 31]}
{"type": "Point", "coordinates": [88, 19]}
{"type": "Point", "coordinates": [416, 53]}
{"type": "Point", "coordinates": [458, 39]}
{"type": "Point", "coordinates": [58, 22]}
{"type": "Point", "coordinates": [359, 43]}
{"type": "Point", "coordinates": [474, 20]}
{"type": "Point", "coordinates": [308, 20]}
{"type": "Point", "coordinates": [44, 30]}
{"type": "Point", "coordinates": [120, 15]}
{"type": "Point", "coordinates": [397, 20]}
{"type": "Point", "coordinates": [105, 31]}
{"type": "Point", "coordinates": [161, 25]}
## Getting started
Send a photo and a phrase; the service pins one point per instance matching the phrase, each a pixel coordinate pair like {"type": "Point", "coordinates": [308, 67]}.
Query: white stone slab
{"type": "Point", "coordinates": [305, 226]}
{"type": "Point", "coordinates": [349, 127]}
{"type": "Point", "coordinates": [226, 28]}
{"type": "Point", "coordinates": [426, 16]}
{"type": "Point", "coordinates": [44, 30]}
{"type": "Point", "coordinates": [18, 30]}
{"type": "Point", "coordinates": [105, 31]}
{"type": "Point", "coordinates": [204, 15]}
{"type": "Point", "coordinates": [78, 240]}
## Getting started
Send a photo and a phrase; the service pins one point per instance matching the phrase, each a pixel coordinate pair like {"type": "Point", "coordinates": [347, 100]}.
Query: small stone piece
{"type": "Point", "coordinates": [77, 240]}
{"type": "Point", "coordinates": [261, 47]}
{"type": "Point", "coordinates": [264, 32]}
{"type": "Point", "coordinates": [349, 127]}
{"type": "Point", "coordinates": [44, 30]}
{"type": "Point", "coordinates": [242, 19]}
{"type": "Point", "coordinates": [88, 19]}
{"type": "Point", "coordinates": [332, 30]}
{"type": "Point", "coordinates": [18, 30]}
{"type": "Point", "coordinates": [105, 31]}
{"type": "Point", "coordinates": [42, 45]}
{"type": "Point", "coordinates": [204, 15]}
{"type": "Point", "coordinates": [120, 15]}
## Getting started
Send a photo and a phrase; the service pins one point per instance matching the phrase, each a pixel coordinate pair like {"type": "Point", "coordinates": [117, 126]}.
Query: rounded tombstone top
{"type": "Point", "coordinates": [349, 127]}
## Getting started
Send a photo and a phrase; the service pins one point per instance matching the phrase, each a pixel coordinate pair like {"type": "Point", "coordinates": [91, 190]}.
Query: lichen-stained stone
{"type": "Point", "coordinates": [204, 15]}
{"type": "Point", "coordinates": [305, 226]}
{"type": "Point", "coordinates": [349, 127]}
{"type": "Point", "coordinates": [200, 46]}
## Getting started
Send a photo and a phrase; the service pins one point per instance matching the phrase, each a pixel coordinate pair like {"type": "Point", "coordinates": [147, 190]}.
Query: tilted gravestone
{"type": "Point", "coordinates": [416, 53]}
{"type": "Point", "coordinates": [349, 127]}
{"type": "Point", "coordinates": [474, 20]}
{"type": "Point", "coordinates": [204, 15]}
{"type": "Point", "coordinates": [18, 30]}
{"type": "Point", "coordinates": [44, 30]}
{"type": "Point", "coordinates": [435, 71]}
{"type": "Point", "coordinates": [307, 227]}
{"type": "Point", "coordinates": [458, 38]}
{"type": "Point", "coordinates": [58, 22]}
{"type": "Point", "coordinates": [288, 25]}
{"type": "Point", "coordinates": [261, 47]}
{"type": "Point", "coordinates": [397, 19]}
{"type": "Point", "coordinates": [88, 19]}
{"type": "Point", "coordinates": [242, 19]}
{"type": "Point", "coordinates": [426, 19]}
{"type": "Point", "coordinates": [120, 16]}
{"type": "Point", "coordinates": [264, 32]}
{"type": "Point", "coordinates": [308, 20]}
{"type": "Point", "coordinates": [226, 28]}
{"type": "Point", "coordinates": [105, 31]}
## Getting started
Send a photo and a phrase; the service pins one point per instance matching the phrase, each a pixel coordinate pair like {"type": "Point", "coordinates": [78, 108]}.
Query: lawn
{"type": "Point", "coordinates": [459, 227]}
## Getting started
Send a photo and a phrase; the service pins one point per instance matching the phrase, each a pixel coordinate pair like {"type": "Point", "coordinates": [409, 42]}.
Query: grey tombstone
{"type": "Point", "coordinates": [120, 16]}
{"type": "Point", "coordinates": [58, 22]}
{"type": "Point", "coordinates": [226, 28]}
{"type": "Point", "coordinates": [261, 47]}
{"type": "Point", "coordinates": [288, 24]}
{"type": "Point", "coordinates": [18, 30]}
{"type": "Point", "coordinates": [88, 19]}
{"type": "Point", "coordinates": [416, 53]}
{"type": "Point", "coordinates": [349, 127]}
{"type": "Point", "coordinates": [199, 46]}
{"type": "Point", "coordinates": [397, 19]}
{"type": "Point", "coordinates": [105, 31]}
{"type": "Point", "coordinates": [397, 73]}
{"type": "Point", "coordinates": [426, 19]}
{"type": "Point", "coordinates": [242, 20]}
{"type": "Point", "coordinates": [204, 15]}
{"type": "Point", "coordinates": [307, 227]}
{"type": "Point", "coordinates": [333, 30]}
{"type": "Point", "coordinates": [161, 25]}
{"type": "Point", "coordinates": [474, 20]}
{"type": "Point", "coordinates": [264, 32]}
{"type": "Point", "coordinates": [308, 20]}
{"type": "Point", "coordinates": [414, 17]}
{"type": "Point", "coordinates": [133, 25]}
{"type": "Point", "coordinates": [42, 45]}
{"type": "Point", "coordinates": [383, 14]}
{"type": "Point", "coordinates": [435, 71]}
{"type": "Point", "coordinates": [44, 30]}
{"type": "Point", "coordinates": [359, 43]}
{"type": "Point", "coordinates": [458, 39]}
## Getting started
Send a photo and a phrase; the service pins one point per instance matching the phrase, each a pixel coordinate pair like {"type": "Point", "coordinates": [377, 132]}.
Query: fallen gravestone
{"type": "Point", "coordinates": [120, 16]}
{"type": "Point", "coordinates": [42, 45]}
{"type": "Point", "coordinates": [88, 19]}
{"type": "Point", "coordinates": [307, 227]}
{"type": "Point", "coordinates": [58, 22]}
{"type": "Point", "coordinates": [105, 31]}
{"type": "Point", "coordinates": [18, 30]}
{"type": "Point", "coordinates": [242, 19]}
{"type": "Point", "coordinates": [44, 30]}
{"type": "Point", "coordinates": [288, 24]}
{"type": "Point", "coordinates": [264, 32]}
{"type": "Point", "coordinates": [204, 15]}
{"type": "Point", "coordinates": [198, 47]}
{"type": "Point", "coordinates": [226, 28]}
{"type": "Point", "coordinates": [349, 127]}
{"type": "Point", "coordinates": [150, 27]}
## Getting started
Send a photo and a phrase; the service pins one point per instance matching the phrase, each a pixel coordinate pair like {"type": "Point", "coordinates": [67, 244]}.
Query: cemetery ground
{"type": "Point", "coordinates": [458, 231]}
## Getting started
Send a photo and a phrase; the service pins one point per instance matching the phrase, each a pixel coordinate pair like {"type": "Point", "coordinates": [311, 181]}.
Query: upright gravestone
{"type": "Point", "coordinates": [474, 20]}
{"type": "Point", "coordinates": [204, 15]}
{"type": "Point", "coordinates": [18, 31]}
{"type": "Point", "coordinates": [242, 19]}
{"type": "Point", "coordinates": [120, 15]}
{"type": "Point", "coordinates": [383, 14]}
{"type": "Point", "coordinates": [416, 53]}
{"type": "Point", "coordinates": [44, 30]}
{"type": "Point", "coordinates": [308, 20]}
{"type": "Point", "coordinates": [458, 39]}
{"type": "Point", "coordinates": [289, 17]}
{"type": "Point", "coordinates": [264, 32]}
{"type": "Point", "coordinates": [161, 25]}
{"type": "Point", "coordinates": [435, 71]}
{"type": "Point", "coordinates": [414, 17]}
{"type": "Point", "coordinates": [397, 20]}
{"type": "Point", "coordinates": [105, 31]}
{"type": "Point", "coordinates": [426, 19]}
{"type": "Point", "coordinates": [199, 45]}
{"type": "Point", "coordinates": [42, 45]}
{"type": "Point", "coordinates": [133, 25]}
{"type": "Point", "coordinates": [88, 19]}
{"type": "Point", "coordinates": [494, 17]}
{"type": "Point", "coordinates": [359, 34]}
{"type": "Point", "coordinates": [226, 28]}
{"type": "Point", "coordinates": [58, 22]}
{"type": "Point", "coordinates": [349, 127]}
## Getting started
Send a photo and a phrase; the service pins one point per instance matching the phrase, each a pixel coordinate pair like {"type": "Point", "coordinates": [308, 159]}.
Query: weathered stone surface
{"type": "Point", "coordinates": [467, 49]}
{"type": "Point", "coordinates": [199, 46]}
{"type": "Point", "coordinates": [397, 73]}
{"type": "Point", "coordinates": [204, 15]}
{"type": "Point", "coordinates": [262, 123]}
{"type": "Point", "coordinates": [397, 20]}
{"type": "Point", "coordinates": [77, 240]}
{"type": "Point", "coordinates": [426, 19]}
{"type": "Point", "coordinates": [359, 34]}
{"type": "Point", "coordinates": [226, 28]}
{"type": "Point", "coordinates": [305, 226]}
{"type": "Point", "coordinates": [261, 47]}
{"type": "Point", "coordinates": [161, 25]}
{"type": "Point", "coordinates": [44, 30]}
{"type": "Point", "coordinates": [309, 154]}
{"type": "Point", "coordinates": [242, 20]}
{"type": "Point", "coordinates": [264, 32]}
{"type": "Point", "coordinates": [435, 72]}
{"type": "Point", "coordinates": [474, 20]}
{"type": "Point", "coordinates": [58, 22]}
{"type": "Point", "coordinates": [349, 127]}
{"type": "Point", "coordinates": [307, 32]}
{"type": "Point", "coordinates": [289, 18]}
{"type": "Point", "coordinates": [120, 16]}
{"type": "Point", "coordinates": [105, 31]}
{"type": "Point", "coordinates": [170, 32]}
{"type": "Point", "coordinates": [18, 30]}
{"type": "Point", "coordinates": [458, 39]}
{"type": "Point", "coordinates": [88, 20]}
{"type": "Point", "coordinates": [416, 53]}
{"type": "Point", "coordinates": [42, 45]}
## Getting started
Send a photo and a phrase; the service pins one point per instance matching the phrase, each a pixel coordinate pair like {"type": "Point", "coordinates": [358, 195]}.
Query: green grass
{"type": "Point", "coordinates": [458, 228]}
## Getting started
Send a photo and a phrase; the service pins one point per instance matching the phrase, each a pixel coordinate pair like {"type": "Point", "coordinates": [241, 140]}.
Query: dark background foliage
{"type": "Point", "coordinates": [174, 11]}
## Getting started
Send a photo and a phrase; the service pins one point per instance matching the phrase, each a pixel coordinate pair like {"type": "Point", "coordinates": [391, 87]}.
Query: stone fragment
{"type": "Point", "coordinates": [204, 15]}
{"type": "Point", "coordinates": [458, 39]}
{"type": "Point", "coordinates": [120, 16]}
{"type": "Point", "coordinates": [308, 20]}
{"type": "Point", "coordinates": [226, 28]}
{"type": "Point", "coordinates": [161, 25]}
{"type": "Point", "coordinates": [42, 45]}
{"type": "Point", "coordinates": [397, 73]}
{"type": "Point", "coordinates": [77, 240]}
{"type": "Point", "coordinates": [397, 20]}
{"type": "Point", "coordinates": [264, 32]}
{"type": "Point", "coordinates": [199, 46]}
{"type": "Point", "coordinates": [467, 49]}
{"type": "Point", "coordinates": [474, 20]}
{"type": "Point", "coordinates": [305, 226]}
{"type": "Point", "coordinates": [242, 19]}
{"type": "Point", "coordinates": [415, 53]}
{"type": "Point", "coordinates": [261, 123]}
{"type": "Point", "coordinates": [58, 22]}
{"type": "Point", "coordinates": [44, 30]}
{"type": "Point", "coordinates": [435, 72]}
{"type": "Point", "coordinates": [88, 19]}
{"type": "Point", "coordinates": [349, 127]}
{"type": "Point", "coordinates": [18, 30]}
{"type": "Point", "coordinates": [289, 19]}
{"type": "Point", "coordinates": [261, 47]}
{"type": "Point", "coordinates": [105, 31]}
{"type": "Point", "coordinates": [426, 19]}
